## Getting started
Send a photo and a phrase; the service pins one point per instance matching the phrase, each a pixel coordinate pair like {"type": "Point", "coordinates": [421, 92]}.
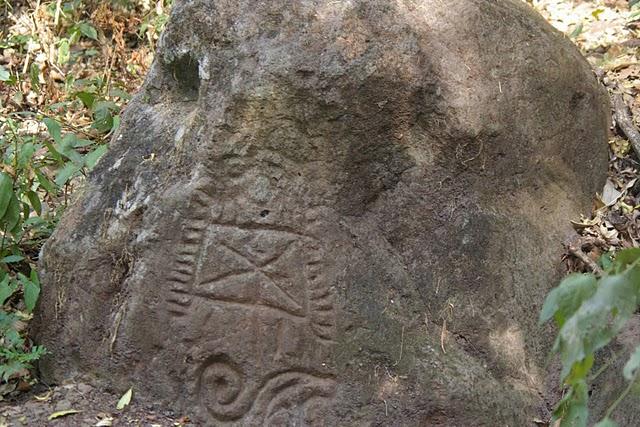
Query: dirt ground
{"type": "Point", "coordinates": [96, 408]}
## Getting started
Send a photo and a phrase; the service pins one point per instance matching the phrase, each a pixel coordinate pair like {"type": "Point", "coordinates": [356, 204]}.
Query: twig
{"type": "Point", "coordinates": [401, 347]}
{"type": "Point", "coordinates": [56, 19]}
{"type": "Point", "coordinates": [25, 67]}
{"type": "Point", "coordinates": [624, 119]}
{"type": "Point", "coordinates": [442, 334]}
{"type": "Point", "coordinates": [118, 320]}
{"type": "Point", "coordinates": [575, 249]}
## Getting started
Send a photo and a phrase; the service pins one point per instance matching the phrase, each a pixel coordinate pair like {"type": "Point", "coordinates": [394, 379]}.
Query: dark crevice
{"type": "Point", "coordinates": [185, 74]}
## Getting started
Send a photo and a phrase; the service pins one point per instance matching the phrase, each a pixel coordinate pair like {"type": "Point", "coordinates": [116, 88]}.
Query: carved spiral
{"type": "Point", "coordinates": [221, 385]}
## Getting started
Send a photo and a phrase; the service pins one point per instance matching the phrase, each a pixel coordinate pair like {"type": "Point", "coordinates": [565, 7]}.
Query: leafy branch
{"type": "Point", "coordinates": [590, 312]}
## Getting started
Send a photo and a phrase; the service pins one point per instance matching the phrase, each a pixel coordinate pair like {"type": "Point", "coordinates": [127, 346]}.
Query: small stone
{"type": "Point", "coordinates": [85, 389]}
{"type": "Point", "coordinates": [63, 405]}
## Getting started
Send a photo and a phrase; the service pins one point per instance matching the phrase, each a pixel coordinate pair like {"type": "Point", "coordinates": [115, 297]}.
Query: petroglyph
{"type": "Point", "coordinates": [230, 395]}
{"type": "Point", "coordinates": [254, 266]}
{"type": "Point", "coordinates": [272, 272]}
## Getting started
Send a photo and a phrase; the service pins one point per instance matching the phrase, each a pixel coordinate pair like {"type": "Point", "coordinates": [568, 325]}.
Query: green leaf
{"type": "Point", "coordinates": [34, 76]}
{"type": "Point", "coordinates": [572, 410]}
{"type": "Point", "coordinates": [27, 150]}
{"type": "Point", "coordinates": [596, 13]}
{"type": "Point", "coordinates": [625, 258]}
{"type": "Point", "coordinates": [63, 52]}
{"type": "Point", "coordinates": [64, 174]}
{"type": "Point", "coordinates": [607, 422]}
{"type": "Point", "coordinates": [60, 414]}
{"type": "Point", "coordinates": [580, 370]}
{"type": "Point", "coordinates": [124, 400]}
{"type": "Point", "coordinates": [66, 148]}
{"type": "Point", "coordinates": [36, 221]}
{"type": "Point", "coordinates": [88, 30]}
{"type": "Point", "coordinates": [45, 183]}
{"type": "Point", "coordinates": [79, 143]}
{"type": "Point", "coordinates": [12, 258]}
{"type": "Point", "coordinates": [33, 276]}
{"type": "Point", "coordinates": [598, 319]}
{"type": "Point", "coordinates": [606, 261]}
{"type": "Point", "coordinates": [103, 113]}
{"type": "Point", "coordinates": [87, 98]}
{"type": "Point", "coordinates": [54, 153]}
{"type": "Point", "coordinates": [631, 367]}
{"type": "Point", "coordinates": [567, 297]}
{"type": "Point", "coordinates": [576, 31]}
{"type": "Point", "coordinates": [26, 210]}
{"type": "Point", "coordinates": [31, 292]}
{"type": "Point", "coordinates": [13, 338]}
{"type": "Point", "coordinates": [11, 218]}
{"type": "Point", "coordinates": [54, 129]}
{"type": "Point", "coordinates": [116, 123]}
{"type": "Point", "coordinates": [119, 93]}
{"type": "Point", "coordinates": [92, 158]}
{"type": "Point", "coordinates": [7, 288]}
{"type": "Point", "coordinates": [74, 35]}
{"type": "Point", "coordinates": [5, 76]}
{"type": "Point", "coordinates": [6, 191]}
{"type": "Point", "coordinates": [11, 368]}
{"type": "Point", "coordinates": [34, 200]}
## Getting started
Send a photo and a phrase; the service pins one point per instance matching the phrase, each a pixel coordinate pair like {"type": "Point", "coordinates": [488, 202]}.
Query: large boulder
{"type": "Point", "coordinates": [332, 212]}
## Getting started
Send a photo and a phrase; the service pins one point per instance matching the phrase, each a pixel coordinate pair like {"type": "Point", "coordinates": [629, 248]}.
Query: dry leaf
{"type": "Point", "coordinates": [105, 422]}
{"type": "Point", "coordinates": [610, 195]}
{"type": "Point", "coordinates": [64, 413]}
{"type": "Point", "coordinates": [44, 397]}
{"type": "Point", "coordinates": [125, 399]}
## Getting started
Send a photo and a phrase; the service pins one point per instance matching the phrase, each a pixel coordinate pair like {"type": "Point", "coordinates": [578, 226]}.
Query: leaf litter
{"type": "Point", "coordinates": [610, 40]}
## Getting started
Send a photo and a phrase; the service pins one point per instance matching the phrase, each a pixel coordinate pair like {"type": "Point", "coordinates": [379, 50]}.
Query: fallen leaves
{"type": "Point", "coordinates": [610, 195]}
{"type": "Point", "coordinates": [125, 400]}
{"type": "Point", "coordinates": [60, 414]}
{"type": "Point", "coordinates": [104, 421]}
{"type": "Point", "coordinates": [45, 397]}
{"type": "Point", "coordinates": [601, 23]}
{"type": "Point", "coordinates": [610, 42]}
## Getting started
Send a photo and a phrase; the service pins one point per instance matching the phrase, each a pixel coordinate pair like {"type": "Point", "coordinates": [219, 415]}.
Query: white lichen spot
{"type": "Point", "coordinates": [117, 164]}
{"type": "Point", "coordinates": [145, 235]}
{"type": "Point", "coordinates": [260, 189]}
{"type": "Point", "coordinates": [179, 135]}
{"type": "Point", "coordinates": [203, 68]}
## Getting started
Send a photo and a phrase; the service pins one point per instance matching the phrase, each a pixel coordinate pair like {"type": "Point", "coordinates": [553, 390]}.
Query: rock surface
{"type": "Point", "coordinates": [332, 213]}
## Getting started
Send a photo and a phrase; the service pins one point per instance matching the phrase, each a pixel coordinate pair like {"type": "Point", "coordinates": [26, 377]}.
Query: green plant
{"type": "Point", "coordinates": [35, 170]}
{"type": "Point", "coordinates": [61, 93]}
{"type": "Point", "coordinates": [634, 5]}
{"type": "Point", "coordinates": [22, 183]}
{"type": "Point", "coordinates": [17, 352]}
{"type": "Point", "coordinates": [589, 312]}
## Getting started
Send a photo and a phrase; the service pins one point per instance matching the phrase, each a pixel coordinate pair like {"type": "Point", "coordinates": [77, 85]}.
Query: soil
{"type": "Point", "coordinates": [96, 408]}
